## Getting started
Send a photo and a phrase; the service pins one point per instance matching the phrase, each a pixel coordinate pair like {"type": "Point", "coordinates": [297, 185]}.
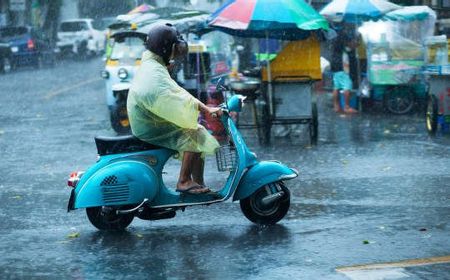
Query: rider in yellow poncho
{"type": "Point", "coordinates": [164, 114]}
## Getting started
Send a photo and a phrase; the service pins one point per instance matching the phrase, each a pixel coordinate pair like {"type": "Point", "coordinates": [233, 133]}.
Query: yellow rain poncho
{"type": "Point", "coordinates": [163, 113]}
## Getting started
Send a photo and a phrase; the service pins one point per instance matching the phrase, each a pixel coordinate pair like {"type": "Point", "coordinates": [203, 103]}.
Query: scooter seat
{"type": "Point", "coordinates": [122, 144]}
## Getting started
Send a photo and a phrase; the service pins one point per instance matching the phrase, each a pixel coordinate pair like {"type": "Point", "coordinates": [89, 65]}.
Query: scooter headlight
{"type": "Point", "coordinates": [123, 73]}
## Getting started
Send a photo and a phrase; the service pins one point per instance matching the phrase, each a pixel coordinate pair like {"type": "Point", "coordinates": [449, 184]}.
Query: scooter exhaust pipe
{"type": "Point", "coordinates": [267, 200]}
{"type": "Point", "coordinates": [118, 212]}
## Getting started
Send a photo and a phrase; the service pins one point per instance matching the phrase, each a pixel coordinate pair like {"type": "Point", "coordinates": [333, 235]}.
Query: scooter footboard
{"type": "Point", "coordinates": [263, 173]}
{"type": "Point", "coordinates": [119, 183]}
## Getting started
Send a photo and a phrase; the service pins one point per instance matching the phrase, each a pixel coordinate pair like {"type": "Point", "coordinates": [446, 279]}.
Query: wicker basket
{"type": "Point", "coordinates": [226, 157]}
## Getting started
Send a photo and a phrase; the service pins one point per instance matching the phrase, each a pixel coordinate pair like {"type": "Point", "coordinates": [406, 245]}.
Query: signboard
{"type": "Point", "coordinates": [17, 5]}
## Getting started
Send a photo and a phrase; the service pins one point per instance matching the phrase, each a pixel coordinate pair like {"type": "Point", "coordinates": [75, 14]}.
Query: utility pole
{"type": "Point", "coordinates": [50, 25]}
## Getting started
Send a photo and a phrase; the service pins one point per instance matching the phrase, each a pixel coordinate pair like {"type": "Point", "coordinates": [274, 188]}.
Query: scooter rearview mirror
{"type": "Point", "coordinates": [220, 86]}
{"type": "Point", "coordinates": [220, 83]}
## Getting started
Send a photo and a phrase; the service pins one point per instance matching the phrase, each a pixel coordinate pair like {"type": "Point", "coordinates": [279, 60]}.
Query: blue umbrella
{"type": "Point", "coordinates": [357, 11]}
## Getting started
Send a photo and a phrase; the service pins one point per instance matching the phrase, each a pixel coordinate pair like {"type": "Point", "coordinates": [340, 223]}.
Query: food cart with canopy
{"type": "Point", "coordinates": [396, 55]}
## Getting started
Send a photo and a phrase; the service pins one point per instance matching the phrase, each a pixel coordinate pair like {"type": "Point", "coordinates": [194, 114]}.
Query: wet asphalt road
{"type": "Point", "coordinates": [376, 189]}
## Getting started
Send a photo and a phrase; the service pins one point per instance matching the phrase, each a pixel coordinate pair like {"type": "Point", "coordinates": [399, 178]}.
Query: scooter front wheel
{"type": "Point", "coordinates": [108, 219]}
{"type": "Point", "coordinates": [266, 213]}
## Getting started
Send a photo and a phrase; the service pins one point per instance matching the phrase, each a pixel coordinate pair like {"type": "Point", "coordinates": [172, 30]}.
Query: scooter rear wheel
{"type": "Point", "coordinates": [108, 220]}
{"type": "Point", "coordinates": [257, 212]}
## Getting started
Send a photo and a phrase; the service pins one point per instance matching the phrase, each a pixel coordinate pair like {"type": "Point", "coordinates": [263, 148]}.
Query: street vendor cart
{"type": "Point", "coordinates": [286, 80]}
{"type": "Point", "coordinates": [396, 55]}
{"type": "Point", "coordinates": [290, 99]}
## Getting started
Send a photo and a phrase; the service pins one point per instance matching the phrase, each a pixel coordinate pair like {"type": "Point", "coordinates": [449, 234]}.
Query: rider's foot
{"type": "Point", "coordinates": [191, 187]}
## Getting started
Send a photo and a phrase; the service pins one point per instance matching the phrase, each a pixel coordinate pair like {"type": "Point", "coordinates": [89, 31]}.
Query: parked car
{"type": "Point", "coordinates": [5, 58]}
{"type": "Point", "coordinates": [79, 37]}
{"type": "Point", "coordinates": [28, 46]}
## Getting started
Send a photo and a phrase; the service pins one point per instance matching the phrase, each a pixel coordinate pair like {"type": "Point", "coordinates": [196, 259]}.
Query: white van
{"type": "Point", "coordinates": [79, 37]}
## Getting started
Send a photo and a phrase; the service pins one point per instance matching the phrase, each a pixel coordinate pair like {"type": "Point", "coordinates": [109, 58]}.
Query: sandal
{"type": "Point", "coordinates": [196, 189]}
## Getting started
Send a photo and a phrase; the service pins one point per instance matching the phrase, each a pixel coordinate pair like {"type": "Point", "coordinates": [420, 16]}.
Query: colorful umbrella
{"type": "Point", "coordinates": [357, 11]}
{"type": "Point", "coordinates": [278, 19]}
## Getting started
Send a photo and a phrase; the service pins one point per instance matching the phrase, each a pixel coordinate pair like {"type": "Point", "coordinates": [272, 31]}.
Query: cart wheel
{"type": "Point", "coordinates": [314, 126]}
{"type": "Point", "coordinates": [399, 100]}
{"type": "Point", "coordinates": [432, 115]}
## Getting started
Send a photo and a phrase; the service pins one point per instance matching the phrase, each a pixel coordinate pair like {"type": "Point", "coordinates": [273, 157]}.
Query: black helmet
{"type": "Point", "coordinates": [162, 39]}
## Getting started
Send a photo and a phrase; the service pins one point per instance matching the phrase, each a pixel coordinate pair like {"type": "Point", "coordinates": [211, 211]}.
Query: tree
{"type": "Point", "coordinates": [50, 25]}
{"type": "Point", "coordinates": [103, 8]}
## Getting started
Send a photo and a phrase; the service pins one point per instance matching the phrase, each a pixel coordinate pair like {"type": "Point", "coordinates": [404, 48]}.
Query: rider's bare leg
{"type": "Point", "coordinates": [185, 180]}
{"type": "Point", "coordinates": [185, 172]}
{"type": "Point", "coordinates": [198, 168]}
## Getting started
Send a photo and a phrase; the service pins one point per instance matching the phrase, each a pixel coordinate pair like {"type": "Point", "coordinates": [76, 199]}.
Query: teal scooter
{"type": "Point", "coordinates": [126, 181]}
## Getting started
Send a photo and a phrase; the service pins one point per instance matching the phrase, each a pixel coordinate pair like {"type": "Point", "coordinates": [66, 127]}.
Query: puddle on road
{"type": "Point", "coordinates": [389, 270]}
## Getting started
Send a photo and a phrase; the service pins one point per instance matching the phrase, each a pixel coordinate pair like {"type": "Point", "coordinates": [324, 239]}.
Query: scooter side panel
{"type": "Point", "coordinates": [120, 183]}
{"type": "Point", "coordinates": [263, 173]}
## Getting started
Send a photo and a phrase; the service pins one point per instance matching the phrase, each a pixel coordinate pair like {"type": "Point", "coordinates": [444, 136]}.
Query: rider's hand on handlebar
{"type": "Point", "coordinates": [215, 112]}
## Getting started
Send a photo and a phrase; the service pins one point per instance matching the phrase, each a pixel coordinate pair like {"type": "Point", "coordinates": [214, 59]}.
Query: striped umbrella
{"type": "Point", "coordinates": [278, 19]}
{"type": "Point", "coordinates": [357, 11]}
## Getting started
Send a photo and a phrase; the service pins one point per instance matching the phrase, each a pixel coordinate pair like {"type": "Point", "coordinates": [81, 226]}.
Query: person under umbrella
{"type": "Point", "coordinates": [343, 45]}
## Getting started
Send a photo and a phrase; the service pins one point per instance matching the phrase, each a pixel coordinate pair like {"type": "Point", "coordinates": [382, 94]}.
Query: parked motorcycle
{"type": "Point", "coordinates": [126, 181]}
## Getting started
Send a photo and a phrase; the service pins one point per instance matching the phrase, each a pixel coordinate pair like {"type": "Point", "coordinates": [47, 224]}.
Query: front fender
{"type": "Point", "coordinates": [261, 174]}
{"type": "Point", "coordinates": [119, 183]}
